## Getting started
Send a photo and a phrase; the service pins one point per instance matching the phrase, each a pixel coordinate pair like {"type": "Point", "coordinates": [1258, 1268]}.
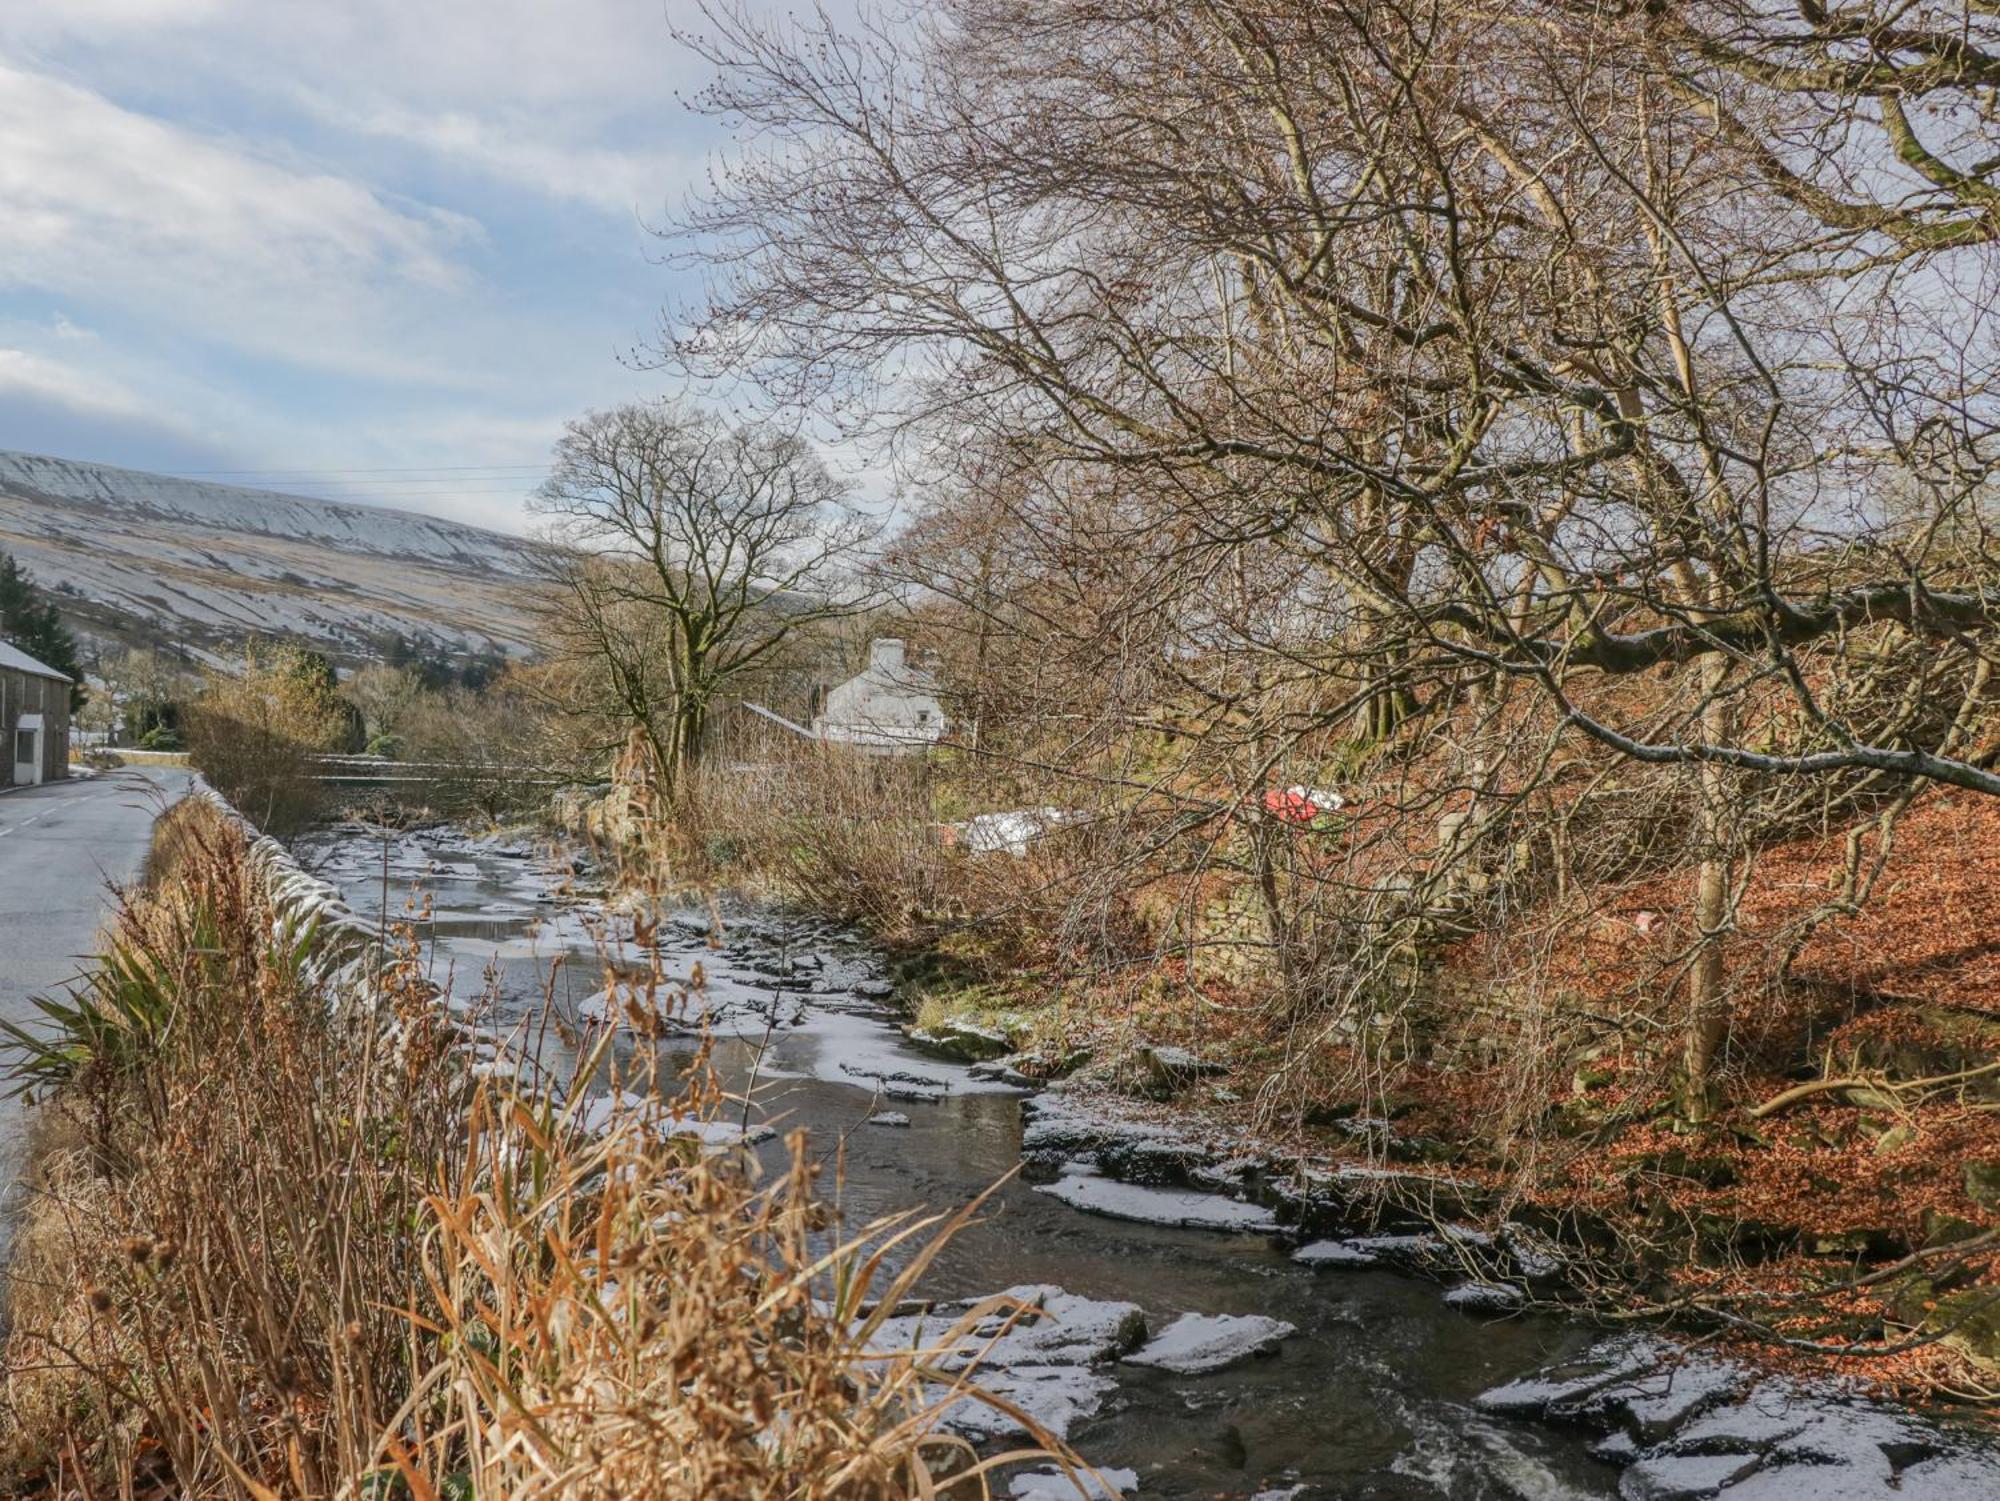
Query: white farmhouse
{"type": "Point", "coordinates": [890, 707]}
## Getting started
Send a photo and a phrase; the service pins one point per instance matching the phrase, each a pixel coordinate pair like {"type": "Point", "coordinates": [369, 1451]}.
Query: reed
{"type": "Point", "coordinates": [271, 1249]}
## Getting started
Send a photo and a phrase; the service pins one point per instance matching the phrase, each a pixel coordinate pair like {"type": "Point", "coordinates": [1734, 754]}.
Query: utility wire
{"type": "Point", "coordinates": [405, 469]}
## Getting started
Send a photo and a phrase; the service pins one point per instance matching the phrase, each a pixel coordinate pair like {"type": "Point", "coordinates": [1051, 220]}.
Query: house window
{"type": "Point", "coordinates": [24, 747]}
{"type": "Point", "coordinates": [923, 716]}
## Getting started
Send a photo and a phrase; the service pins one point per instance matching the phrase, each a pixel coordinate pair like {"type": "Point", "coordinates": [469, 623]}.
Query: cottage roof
{"type": "Point", "coordinates": [889, 667]}
{"type": "Point", "coordinates": [13, 659]}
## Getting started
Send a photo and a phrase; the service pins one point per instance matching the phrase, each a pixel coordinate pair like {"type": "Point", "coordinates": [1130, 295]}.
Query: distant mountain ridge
{"type": "Point", "coordinates": [158, 560]}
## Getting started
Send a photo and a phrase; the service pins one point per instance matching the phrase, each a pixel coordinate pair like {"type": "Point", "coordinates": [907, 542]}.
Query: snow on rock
{"type": "Point", "coordinates": [1690, 1425]}
{"type": "Point", "coordinates": [965, 1041]}
{"type": "Point", "coordinates": [1195, 1344]}
{"type": "Point", "coordinates": [665, 1012]}
{"type": "Point", "coordinates": [1158, 1206]}
{"type": "Point", "coordinates": [1056, 1129]}
{"type": "Point", "coordinates": [1335, 1254]}
{"type": "Point", "coordinates": [599, 1113]}
{"type": "Point", "coordinates": [1538, 1257]}
{"type": "Point", "coordinates": [1564, 1384]}
{"type": "Point", "coordinates": [898, 1083]}
{"type": "Point", "coordinates": [1484, 1297]}
{"type": "Point", "coordinates": [1039, 1347]}
{"type": "Point", "coordinates": [1364, 1251]}
{"type": "Point", "coordinates": [716, 1135]}
{"type": "Point", "coordinates": [887, 1118]}
{"type": "Point", "coordinates": [1054, 1485]}
{"type": "Point", "coordinates": [1685, 1477]}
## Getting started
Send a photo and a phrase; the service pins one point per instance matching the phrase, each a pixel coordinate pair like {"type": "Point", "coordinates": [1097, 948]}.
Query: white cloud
{"type": "Point", "coordinates": [201, 180]}
{"type": "Point", "coordinates": [263, 254]}
{"type": "Point", "coordinates": [23, 373]}
{"type": "Point", "coordinates": [524, 153]}
{"type": "Point", "coordinates": [602, 56]}
{"type": "Point", "coordinates": [94, 16]}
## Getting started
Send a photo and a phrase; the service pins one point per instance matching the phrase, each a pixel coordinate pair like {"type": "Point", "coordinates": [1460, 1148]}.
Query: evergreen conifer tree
{"type": "Point", "coordinates": [34, 625]}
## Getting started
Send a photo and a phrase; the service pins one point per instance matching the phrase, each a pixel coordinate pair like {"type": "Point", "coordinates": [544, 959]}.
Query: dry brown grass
{"type": "Point", "coordinates": [282, 1252]}
{"type": "Point", "coordinates": [862, 839]}
{"type": "Point", "coordinates": [846, 834]}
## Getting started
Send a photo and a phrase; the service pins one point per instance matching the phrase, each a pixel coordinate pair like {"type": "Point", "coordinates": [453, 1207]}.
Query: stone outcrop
{"type": "Point", "coordinates": [1685, 1425]}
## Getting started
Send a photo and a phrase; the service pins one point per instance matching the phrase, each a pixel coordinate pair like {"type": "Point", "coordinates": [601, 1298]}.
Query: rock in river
{"type": "Point", "coordinates": [1157, 1206]}
{"type": "Point", "coordinates": [1040, 1351]}
{"type": "Point", "coordinates": [963, 1041]}
{"type": "Point", "coordinates": [1692, 1425]}
{"type": "Point", "coordinates": [1053, 1485]}
{"type": "Point", "coordinates": [1485, 1297]}
{"type": "Point", "coordinates": [1197, 1343]}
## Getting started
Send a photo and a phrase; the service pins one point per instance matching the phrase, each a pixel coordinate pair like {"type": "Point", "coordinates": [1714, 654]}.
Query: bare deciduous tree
{"type": "Point", "coordinates": [1529, 351]}
{"type": "Point", "coordinates": [695, 552]}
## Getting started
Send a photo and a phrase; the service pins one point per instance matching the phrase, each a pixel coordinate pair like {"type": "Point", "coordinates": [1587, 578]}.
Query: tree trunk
{"type": "Point", "coordinates": [1708, 1018]}
{"type": "Point", "coordinates": [1265, 843]}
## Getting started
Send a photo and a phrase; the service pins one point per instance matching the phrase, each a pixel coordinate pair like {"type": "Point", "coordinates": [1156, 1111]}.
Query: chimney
{"type": "Point", "coordinates": [885, 654]}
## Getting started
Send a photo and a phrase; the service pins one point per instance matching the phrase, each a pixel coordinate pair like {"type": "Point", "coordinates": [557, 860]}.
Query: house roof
{"type": "Point", "coordinates": [13, 659]}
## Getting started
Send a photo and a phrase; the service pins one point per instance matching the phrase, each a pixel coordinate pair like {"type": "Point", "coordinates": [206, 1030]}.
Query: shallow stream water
{"type": "Point", "coordinates": [1372, 1397]}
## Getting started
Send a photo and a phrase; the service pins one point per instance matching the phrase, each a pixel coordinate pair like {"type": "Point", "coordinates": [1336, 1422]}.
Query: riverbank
{"type": "Point", "coordinates": [1203, 1323]}
{"type": "Point", "coordinates": [299, 1228]}
{"type": "Point", "coordinates": [1377, 1391]}
{"type": "Point", "coordinates": [1812, 1238]}
{"type": "Point", "coordinates": [1836, 1198]}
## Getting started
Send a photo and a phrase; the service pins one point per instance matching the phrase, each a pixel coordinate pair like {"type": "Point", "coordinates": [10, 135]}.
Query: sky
{"type": "Point", "coordinates": [372, 249]}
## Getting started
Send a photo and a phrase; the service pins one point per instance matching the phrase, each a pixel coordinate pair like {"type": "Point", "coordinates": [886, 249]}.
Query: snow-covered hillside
{"type": "Point", "coordinates": [154, 559]}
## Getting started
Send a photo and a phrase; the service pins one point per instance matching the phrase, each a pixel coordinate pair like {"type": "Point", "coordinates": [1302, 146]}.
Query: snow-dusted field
{"type": "Point", "coordinates": [150, 558]}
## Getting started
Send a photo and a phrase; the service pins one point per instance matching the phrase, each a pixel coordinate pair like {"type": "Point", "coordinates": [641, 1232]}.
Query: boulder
{"type": "Point", "coordinates": [1056, 1131]}
{"type": "Point", "coordinates": [1157, 1206]}
{"type": "Point", "coordinates": [1004, 1071]}
{"type": "Point", "coordinates": [1687, 1424]}
{"type": "Point", "coordinates": [1492, 1298]}
{"type": "Point", "coordinates": [1041, 1352]}
{"type": "Point", "coordinates": [1196, 1344]}
{"type": "Point", "coordinates": [962, 1041]}
{"type": "Point", "coordinates": [1968, 1318]}
{"type": "Point", "coordinates": [1054, 1485]}
{"type": "Point", "coordinates": [1169, 1070]}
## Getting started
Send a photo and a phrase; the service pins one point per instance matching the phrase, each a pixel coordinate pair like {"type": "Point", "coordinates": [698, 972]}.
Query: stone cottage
{"type": "Point", "coordinates": [34, 720]}
{"type": "Point", "coordinates": [889, 708]}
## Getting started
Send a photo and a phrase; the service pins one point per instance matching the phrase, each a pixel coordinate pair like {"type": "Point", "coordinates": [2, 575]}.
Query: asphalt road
{"type": "Point", "coordinates": [63, 847]}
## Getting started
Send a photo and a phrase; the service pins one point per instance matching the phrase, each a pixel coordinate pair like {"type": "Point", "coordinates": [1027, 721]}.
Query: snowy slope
{"type": "Point", "coordinates": [164, 561]}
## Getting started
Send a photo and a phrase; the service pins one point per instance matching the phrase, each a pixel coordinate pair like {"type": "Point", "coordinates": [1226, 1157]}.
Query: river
{"type": "Point", "coordinates": [1372, 1396]}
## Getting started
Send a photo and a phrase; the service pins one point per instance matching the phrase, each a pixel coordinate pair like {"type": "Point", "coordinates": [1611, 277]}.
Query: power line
{"type": "Point", "coordinates": [404, 469]}
{"type": "Point", "coordinates": [436, 487]}
{"type": "Point", "coordinates": [473, 489]}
